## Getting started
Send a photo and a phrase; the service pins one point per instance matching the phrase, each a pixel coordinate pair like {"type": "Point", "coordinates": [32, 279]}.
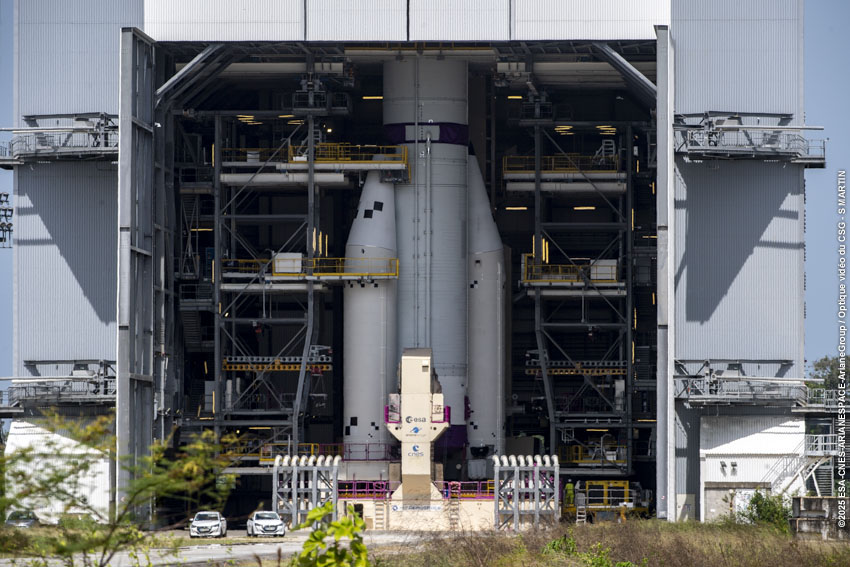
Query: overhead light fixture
{"type": "Point", "coordinates": [598, 430]}
{"type": "Point", "coordinates": [604, 126]}
{"type": "Point", "coordinates": [567, 133]}
{"type": "Point", "coordinates": [330, 130]}
{"type": "Point", "coordinates": [563, 127]}
{"type": "Point", "coordinates": [298, 122]}
{"type": "Point", "coordinates": [258, 428]}
{"type": "Point", "coordinates": [201, 230]}
{"type": "Point", "coordinates": [516, 208]}
{"type": "Point", "coordinates": [286, 116]}
{"type": "Point", "coordinates": [514, 97]}
{"type": "Point", "coordinates": [373, 97]}
{"type": "Point", "coordinates": [585, 208]}
{"type": "Point", "coordinates": [650, 236]}
{"type": "Point", "coordinates": [646, 421]}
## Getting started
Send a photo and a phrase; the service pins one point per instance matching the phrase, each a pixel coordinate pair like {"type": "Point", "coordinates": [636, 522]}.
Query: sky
{"type": "Point", "coordinates": [827, 76]}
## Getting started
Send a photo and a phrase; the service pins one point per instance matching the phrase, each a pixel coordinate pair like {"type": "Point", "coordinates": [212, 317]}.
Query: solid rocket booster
{"type": "Point", "coordinates": [369, 317]}
{"type": "Point", "coordinates": [485, 319]}
{"type": "Point", "coordinates": [425, 108]}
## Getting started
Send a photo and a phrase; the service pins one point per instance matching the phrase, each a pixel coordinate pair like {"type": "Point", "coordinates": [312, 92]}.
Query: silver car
{"type": "Point", "coordinates": [208, 524]}
{"type": "Point", "coordinates": [265, 524]}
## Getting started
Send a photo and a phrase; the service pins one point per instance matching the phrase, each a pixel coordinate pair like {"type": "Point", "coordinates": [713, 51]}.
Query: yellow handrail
{"type": "Point", "coordinates": [318, 267]}
{"type": "Point", "coordinates": [562, 163]}
{"type": "Point", "coordinates": [570, 273]}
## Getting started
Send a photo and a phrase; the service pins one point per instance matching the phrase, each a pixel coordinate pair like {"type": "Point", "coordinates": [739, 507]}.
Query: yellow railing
{"type": "Point", "coordinates": [324, 153]}
{"type": "Point", "coordinates": [318, 267]}
{"type": "Point", "coordinates": [348, 153]}
{"type": "Point", "coordinates": [570, 273]}
{"type": "Point", "coordinates": [579, 454]}
{"type": "Point", "coordinates": [563, 163]}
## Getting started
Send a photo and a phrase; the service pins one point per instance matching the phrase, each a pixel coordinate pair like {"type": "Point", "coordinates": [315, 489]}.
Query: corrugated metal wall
{"type": "Point", "coordinates": [450, 20]}
{"type": "Point", "coordinates": [224, 20]}
{"type": "Point", "coordinates": [588, 19]}
{"type": "Point", "coordinates": [402, 20]}
{"type": "Point", "coordinates": [755, 46]}
{"type": "Point", "coordinates": [65, 263]}
{"type": "Point", "coordinates": [357, 20]}
{"type": "Point", "coordinates": [739, 263]}
{"type": "Point", "coordinates": [750, 435]}
{"type": "Point", "coordinates": [67, 54]}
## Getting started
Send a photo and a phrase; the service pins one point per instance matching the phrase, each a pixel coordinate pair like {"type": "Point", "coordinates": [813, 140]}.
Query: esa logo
{"type": "Point", "coordinates": [415, 452]}
{"type": "Point", "coordinates": [410, 419]}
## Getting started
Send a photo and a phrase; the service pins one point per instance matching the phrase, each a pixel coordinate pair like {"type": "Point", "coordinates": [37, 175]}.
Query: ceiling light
{"type": "Point", "coordinates": [584, 208]}
{"type": "Point", "coordinates": [598, 430]}
{"type": "Point", "coordinates": [285, 115]}
{"type": "Point", "coordinates": [514, 97]}
{"type": "Point", "coordinates": [295, 122]}
{"type": "Point", "coordinates": [373, 97]}
{"type": "Point", "coordinates": [516, 208]}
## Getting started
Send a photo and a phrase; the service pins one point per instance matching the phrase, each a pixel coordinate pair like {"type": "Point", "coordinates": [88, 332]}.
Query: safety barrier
{"type": "Point", "coordinates": [568, 273]}
{"type": "Point", "coordinates": [562, 163]}
{"type": "Point", "coordinates": [467, 490]}
{"type": "Point", "coordinates": [316, 267]}
{"type": "Point", "coordinates": [589, 456]}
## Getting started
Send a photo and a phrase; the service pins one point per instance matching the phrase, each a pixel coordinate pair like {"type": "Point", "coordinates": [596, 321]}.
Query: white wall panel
{"type": "Point", "coordinates": [453, 20]}
{"type": "Point", "coordinates": [588, 19]}
{"type": "Point", "coordinates": [750, 435]}
{"type": "Point", "coordinates": [225, 20]}
{"type": "Point", "coordinates": [357, 20]}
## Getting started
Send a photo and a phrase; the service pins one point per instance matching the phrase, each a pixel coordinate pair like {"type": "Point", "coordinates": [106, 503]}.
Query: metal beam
{"type": "Point", "coordinates": [645, 90]}
{"type": "Point", "coordinates": [190, 69]}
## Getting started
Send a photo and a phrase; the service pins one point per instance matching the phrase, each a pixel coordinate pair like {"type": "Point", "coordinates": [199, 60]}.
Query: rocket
{"type": "Point", "coordinates": [369, 318]}
{"type": "Point", "coordinates": [450, 287]}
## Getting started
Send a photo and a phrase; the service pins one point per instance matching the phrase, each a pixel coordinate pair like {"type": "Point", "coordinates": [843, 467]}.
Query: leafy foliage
{"type": "Point", "coordinates": [768, 510]}
{"type": "Point", "coordinates": [64, 468]}
{"type": "Point", "coordinates": [826, 369]}
{"type": "Point", "coordinates": [346, 548]}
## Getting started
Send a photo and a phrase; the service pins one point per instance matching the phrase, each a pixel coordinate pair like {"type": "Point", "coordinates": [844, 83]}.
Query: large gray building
{"type": "Point", "coordinates": [187, 176]}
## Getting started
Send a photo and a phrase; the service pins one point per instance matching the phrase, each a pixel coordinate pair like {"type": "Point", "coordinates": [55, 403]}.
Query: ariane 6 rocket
{"type": "Point", "coordinates": [449, 295]}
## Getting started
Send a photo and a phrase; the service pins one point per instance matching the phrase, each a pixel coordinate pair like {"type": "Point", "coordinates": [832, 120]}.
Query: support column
{"type": "Point", "coordinates": [217, 268]}
{"type": "Point", "coordinates": [666, 463]}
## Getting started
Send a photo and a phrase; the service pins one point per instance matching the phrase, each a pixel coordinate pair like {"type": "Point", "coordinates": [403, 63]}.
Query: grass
{"type": "Point", "coordinates": [634, 544]}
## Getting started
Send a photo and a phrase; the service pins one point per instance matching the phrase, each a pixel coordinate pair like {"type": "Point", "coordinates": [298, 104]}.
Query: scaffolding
{"type": "Point", "coordinates": [526, 491]}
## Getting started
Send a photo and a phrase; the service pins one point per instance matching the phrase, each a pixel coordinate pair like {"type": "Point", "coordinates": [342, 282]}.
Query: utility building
{"type": "Point", "coordinates": [237, 214]}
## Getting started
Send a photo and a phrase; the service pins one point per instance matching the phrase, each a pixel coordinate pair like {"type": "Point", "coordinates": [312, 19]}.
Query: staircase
{"type": "Point", "coordinates": [824, 478]}
{"type": "Point", "coordinates": [581, 514]}
{"type": "Point", "coordinates": [192, 329]}
{"type": "Point", "coordinates": [381, 515]}
{"type": "Point", "coordinates": [454, 514]}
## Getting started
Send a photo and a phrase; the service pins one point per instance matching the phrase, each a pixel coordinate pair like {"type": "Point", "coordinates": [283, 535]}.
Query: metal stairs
{"type": "Point", "coordinates": [823, 478]}
{"type": "Point", "coordinates": [381, 515]}
{"type": "Point", "coordinates": [192, 329]}
{"type": "Point", "coordinates": [454, 514]}
{"type": "Point", "coordinates": [581, 514]}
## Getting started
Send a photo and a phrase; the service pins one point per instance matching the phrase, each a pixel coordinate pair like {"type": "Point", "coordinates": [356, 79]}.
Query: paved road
{"type": "Point", "coordinates": [205, 551]}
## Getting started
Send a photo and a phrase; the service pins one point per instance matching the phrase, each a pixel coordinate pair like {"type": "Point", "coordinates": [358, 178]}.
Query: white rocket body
{"type": "Point", "coordinates": [369, 318]}
{"type": "Point", "coordinates": [425, 108]}
{"type": "Point", "coordinates": [486, 320]}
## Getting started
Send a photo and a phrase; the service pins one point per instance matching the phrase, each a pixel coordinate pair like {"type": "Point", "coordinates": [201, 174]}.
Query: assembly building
{"type": "Point", "coordinates": [588, 215]}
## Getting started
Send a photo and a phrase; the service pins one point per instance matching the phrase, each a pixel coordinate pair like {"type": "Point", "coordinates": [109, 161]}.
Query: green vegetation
{"type": "Point", "coordinates": [346, 548]}
{"type": "Point", "coordinates": [640, 543]}
{"type": "Point", "coordinates": [826, 369]}
{"type": "Point", "coordinates": [768, 510]}
{"type": "Point", "coordinates": [60, 472]}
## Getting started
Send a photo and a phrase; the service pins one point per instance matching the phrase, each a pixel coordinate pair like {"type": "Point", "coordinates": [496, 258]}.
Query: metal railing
{"type": "Point", "coordinates": [568, 273]}
{"type": "Point", "coordinates": [366, 489]}
{"type": "Point", "coordinates": [821, 397]}
{"type": "Point", "coordinates": [467, 490]}
{"type": "Point", "coordinates": [69, 142]}
{"type": "Point", "coordinates": [347, 153]}
{"type": "Point", "coordinates": [196, 292]}
{"type": "Point", "coordinates": [316, 267]}
{"type": "Point", "coordinates": [590, 456]}
{"type": "Point", "coordinates": [718, 389]}
{"type": "Point", "coordinates": [4, 149]}
{"type": "Point", "coordinates": [822, 445]}
{"type": "Point", "coordinates": [347, 451]}
{"type": "Point", "coordinates": [562, 163]}
{"type": "Point", "coordinates": [94, 390]}
{"type": "Point", "coordinates": [746, 141]}
{"type": "Point", "coordinates": [261, 401]}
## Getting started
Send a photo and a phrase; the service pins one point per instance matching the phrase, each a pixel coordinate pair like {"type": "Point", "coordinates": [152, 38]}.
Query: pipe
{"type": "Point", "coordinates": [428, 213]}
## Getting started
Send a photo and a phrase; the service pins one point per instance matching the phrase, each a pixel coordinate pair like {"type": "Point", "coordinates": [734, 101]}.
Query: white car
{"type": "Point", "coordinates": [265, 523]}
{"type": "Point", "coordinates": [208, 524]}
